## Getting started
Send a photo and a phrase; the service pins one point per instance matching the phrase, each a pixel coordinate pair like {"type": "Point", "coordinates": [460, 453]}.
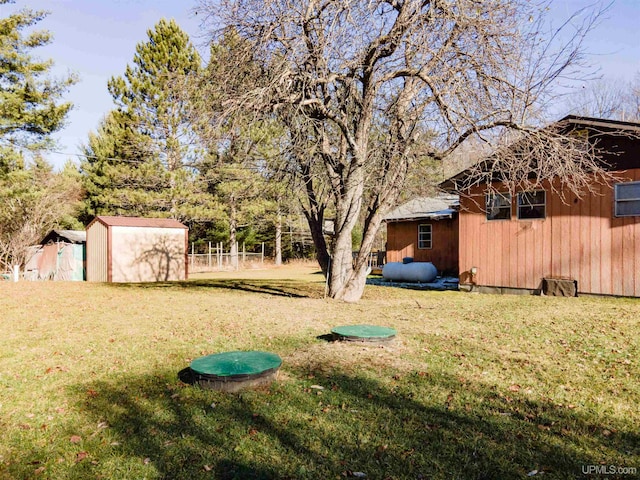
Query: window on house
{"type": "Point", "coordinates": [498, 206]}
{"type": "Point", "coordinates": [424, 236]}
{"type": "Point", "coordinates": [532, 205]}
{"type": "Point", "coordinates": [627, 199]}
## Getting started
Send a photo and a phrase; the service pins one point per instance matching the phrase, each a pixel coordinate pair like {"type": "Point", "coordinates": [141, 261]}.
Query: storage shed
{"type": "Point", "coordinates": [60, 256]}
{"type": "Point", "coordinates": [133, 249]}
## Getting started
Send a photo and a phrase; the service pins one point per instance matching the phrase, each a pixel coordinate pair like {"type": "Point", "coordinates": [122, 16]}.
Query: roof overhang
{"type": "Point", "coordinates": [439, 215]}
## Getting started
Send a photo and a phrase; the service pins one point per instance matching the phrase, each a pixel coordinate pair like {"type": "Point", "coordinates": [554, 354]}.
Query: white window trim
{"type": "Point", "coordinates": [531, 205]}
{"type": "Point", "coordinates": [430, 236]}
{"type": "Point", "coordinates": [616, 200]}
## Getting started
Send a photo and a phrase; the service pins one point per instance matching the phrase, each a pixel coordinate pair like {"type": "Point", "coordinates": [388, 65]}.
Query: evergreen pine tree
{"type": "Point", "coordinates": [140, 161]}
{"type": "Point", "coordinates": [121, 176]}
{"type": "Point", "coordinates": [33, 197]}
{"type": "Point", "coordinates": [30, 100]}
{"type": "Point", "coordinates": [151, 92]}
{"type": "Point", "coordinates": [240, 150]}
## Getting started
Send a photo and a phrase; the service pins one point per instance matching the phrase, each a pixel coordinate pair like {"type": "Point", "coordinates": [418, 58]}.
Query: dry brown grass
{"type": "Point", "coordinates": [515, 378]}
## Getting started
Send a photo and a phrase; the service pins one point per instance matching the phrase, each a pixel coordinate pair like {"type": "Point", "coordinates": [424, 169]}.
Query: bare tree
{"type": "Point", "coordinates": [34, 200]}
{"type": "Point", "coordinates": [562, 157]}
{"type": "Point", "coordinates": [609, 98]}
{"type": "Point", "coordinates": [603, 98]}
{"type": "Point", "coordinates": [369, 87]}
{"type": "Point", "coordinates": [633, 99]}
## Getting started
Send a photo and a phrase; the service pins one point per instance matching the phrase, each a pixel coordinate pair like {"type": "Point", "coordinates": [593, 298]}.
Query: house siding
{"type": "Point", "coordinates": [579, 239]}
{"type": "Point", "coordinates": [402, 241]}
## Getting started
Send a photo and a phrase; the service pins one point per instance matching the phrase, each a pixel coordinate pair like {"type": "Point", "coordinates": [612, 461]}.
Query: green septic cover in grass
{"type": "Point", "coordinates": [235, 364]}
{"type": "Point", "coordinates": [364, 331]}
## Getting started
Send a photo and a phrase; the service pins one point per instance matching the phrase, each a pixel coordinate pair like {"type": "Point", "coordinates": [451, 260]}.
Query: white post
{"type": "Point", "coordinates": [209, 255]}
{"type": "Point", "coordinates": [16, 273]}
{"type": "Point", "coordinates": [236, 259]}
{"type": "Point", "coordinates": [243, 254]}
{"type": "Point", "coordinates": [262, 256]}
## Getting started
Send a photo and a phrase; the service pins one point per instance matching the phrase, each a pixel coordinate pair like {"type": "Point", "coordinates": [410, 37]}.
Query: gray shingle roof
{"type": "Point", "coordinates": [436, 208]}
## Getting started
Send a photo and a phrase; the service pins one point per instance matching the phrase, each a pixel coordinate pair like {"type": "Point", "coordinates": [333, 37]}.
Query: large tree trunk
{"type": "Point", "coordinates": [354, 288]}
{"type": "Point", "coordinates": [345, 283]}
{"type": "Point", "coordinates": [322, 252]}
{"type": "Point", "coordinates": [337, 265]}
{"type": "Point", "coordinates": [356, 279]}
{"type": "Point", "coordinates": [341, 264]}
{"type": "Point", "coordinates": [314, 213]}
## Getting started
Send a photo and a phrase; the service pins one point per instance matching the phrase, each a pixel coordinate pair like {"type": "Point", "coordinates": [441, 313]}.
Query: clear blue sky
{"type": "Point", "coordinates": [97, 38]}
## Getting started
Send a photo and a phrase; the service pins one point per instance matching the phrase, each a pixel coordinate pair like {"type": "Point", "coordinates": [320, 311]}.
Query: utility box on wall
{"type": "Point", "coordinates": [560, 287]}
{"type": "Point", "coordinates": [134, 249]}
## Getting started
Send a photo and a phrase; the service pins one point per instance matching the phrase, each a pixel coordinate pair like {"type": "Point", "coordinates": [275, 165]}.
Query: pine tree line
{"type": "Point", "coordinates": [156, 154]}
{"type": "Point", "coordinates": [160, 154]}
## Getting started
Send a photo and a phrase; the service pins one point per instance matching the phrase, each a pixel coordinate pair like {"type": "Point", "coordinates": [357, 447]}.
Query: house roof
{"type": "Point", "coordinates": [119, 221]}
{"type": "Point", "coordinates": [600, 122]}
{"type": "Point", "coordinates": [619, 140]}
{"type": "Point", "coordinates": [435, 208]}
{"type": "Point", "coordinates": [67, 236]}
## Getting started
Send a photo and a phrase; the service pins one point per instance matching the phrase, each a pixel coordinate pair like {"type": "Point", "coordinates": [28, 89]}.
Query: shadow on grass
{"type": "Point", "coordinates": [281, 288]}
{"type": "Point", "coordinates": [327, 337]}
{"type": "Point", "coordinates": [398, 428]}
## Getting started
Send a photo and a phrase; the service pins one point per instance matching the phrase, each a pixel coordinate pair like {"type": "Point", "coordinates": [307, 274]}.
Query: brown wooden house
{"type": "Point", "coordinates": [425, 229]}
{"type": "Point", "coordinates": [522, 242]}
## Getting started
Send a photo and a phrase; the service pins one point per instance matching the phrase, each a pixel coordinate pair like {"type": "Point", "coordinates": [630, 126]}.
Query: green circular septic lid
{"type": "Point", "coordinates": [236, 364]}
{"type": "Point", "coordinates": [364, 332]}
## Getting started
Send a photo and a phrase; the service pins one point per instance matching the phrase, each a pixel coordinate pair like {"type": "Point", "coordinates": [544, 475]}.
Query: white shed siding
{"type": "Point", "coordinates": [147, 254]}
{"type": "Point", "coordinates": [97, 248]}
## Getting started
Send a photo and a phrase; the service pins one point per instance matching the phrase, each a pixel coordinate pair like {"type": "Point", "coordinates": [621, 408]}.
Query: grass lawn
{"type": "Point", "coordinates": [474, 387]}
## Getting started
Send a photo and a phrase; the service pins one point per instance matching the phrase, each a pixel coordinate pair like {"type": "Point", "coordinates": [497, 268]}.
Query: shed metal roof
{"type": "Point", "coordinates": [119, 221]}
{"type": "Point", "coordinates": [436, 208]}
{"type": "Point", "coordinates": [71, 236]}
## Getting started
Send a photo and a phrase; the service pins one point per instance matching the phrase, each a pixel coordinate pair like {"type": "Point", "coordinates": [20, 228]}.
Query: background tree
{"type": "Point", "coordinates": [239, 191]}
{"type": "Point", "coordinates": [150, 93]}
{"type": "Point", "coordinates": [121, 175]}
{"type": "Point", "coordinates": [634, 98]}
{"type": "Point", "coordinates": [142, 159]}
{"type": "Point", "coordinates": [238, 166]}
{"type": "Point", "coordinates": [609, 98]}
{"type": "Point", "coordinates": [30, 100]}
{"type": "Point", "coordinates": [373, 86]}
{"type": "Point", "coordinates": [34, 199]}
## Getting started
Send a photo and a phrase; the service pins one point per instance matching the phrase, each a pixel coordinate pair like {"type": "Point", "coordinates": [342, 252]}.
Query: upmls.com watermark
{"type": "Point", "coordinates": [608, 470]}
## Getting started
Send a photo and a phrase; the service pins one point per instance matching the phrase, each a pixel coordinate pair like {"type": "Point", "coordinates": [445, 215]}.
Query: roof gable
{"type": "Point", "coordinates": [618, 141]}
